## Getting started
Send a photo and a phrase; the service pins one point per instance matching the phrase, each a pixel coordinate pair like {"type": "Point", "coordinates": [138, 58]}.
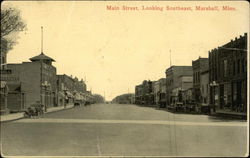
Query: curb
{"type": "Point", "coordinates": [231, 116]}
{"type": "Point", "coordinates": [59, 110]}
{"type": "Point", "coordinates": [15, 119]}
{"type": "Point", "coordinates": [23, 116]}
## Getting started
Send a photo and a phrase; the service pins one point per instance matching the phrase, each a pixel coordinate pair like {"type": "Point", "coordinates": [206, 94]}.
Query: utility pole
{"type": "Point", "coordinates": [41, 39]}
{"type": "Point", "coordinates": [170, 57]}
{"type": "Point", "coordinates": [41, 67]}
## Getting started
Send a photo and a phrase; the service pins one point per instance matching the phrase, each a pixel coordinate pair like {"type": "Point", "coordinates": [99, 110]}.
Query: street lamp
{"type": "Point", "coordinates": [45, 85]}
{"type": "Point", "coordinates": [66, 96]}
{"type": "Point", "coordinates": [214, 85]}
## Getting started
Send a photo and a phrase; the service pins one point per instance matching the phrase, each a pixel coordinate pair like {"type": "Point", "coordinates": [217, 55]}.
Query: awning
{"type": "Point", "coordinates": [70, 95]}
{"type": "Point", "coordinates": [61, 94]}
{"type": "Point", "coordinates": [78, 96]}
{"type": "Point", "coordinates": [3, 84]}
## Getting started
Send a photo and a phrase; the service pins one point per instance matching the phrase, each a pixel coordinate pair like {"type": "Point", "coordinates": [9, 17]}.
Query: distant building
{"type": "Point", "coordinates": [205, 88]}
{"type": "Point", "coordinates": [138, 94]}
{"type": "Point", "coordinates": [124, 99]}
{"type": "Point", "coordinates": [70, 88]}
{"type": "Point", "coordinates": [228, 76]}
{"type": "Point", "coordinates": [199, 67]}
{"type": "Point", "coordinates": [162, 92]}
{"type": "Point", "coordinates": [144, 93]}
{"type": "Point", "coordinates": [172, 82]}
{"type": "Point", "coordinates": [187, 96]}
{"type": "Point", "coordinates": [65, 88]}
{"type": "Point", "coordinates": [80, 85]}
{"type": "Point", "coordinates": [156, 91]}
{"type": "Point", "coordinates": [184, 82]}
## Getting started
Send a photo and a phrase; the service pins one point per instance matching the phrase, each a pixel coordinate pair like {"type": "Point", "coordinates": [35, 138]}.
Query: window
{"type": "Point", "coordinates": [198, 76]}
{"type": "Point", "coordinates": [234, 68]}
{"type": "Point", "coordinates": [195, 77]}
{"type": "Point", "coordinates": [243, 66]}
{"type": "Point", "coordinates": [238, 66]}
{"type": "Point", "coordinates": [225, 67]}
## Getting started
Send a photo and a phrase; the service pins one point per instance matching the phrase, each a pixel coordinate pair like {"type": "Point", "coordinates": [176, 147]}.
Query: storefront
{"type": "Point", "coordinates": [3, 97]}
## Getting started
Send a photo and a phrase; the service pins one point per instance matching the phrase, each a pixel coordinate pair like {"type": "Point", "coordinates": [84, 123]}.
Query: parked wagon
{"type": "Point", "coordinates": [35, 110]}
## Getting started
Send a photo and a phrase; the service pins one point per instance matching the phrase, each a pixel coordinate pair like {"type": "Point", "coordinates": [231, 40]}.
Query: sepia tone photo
{"type": "Point", "coordinates": [124, 79]}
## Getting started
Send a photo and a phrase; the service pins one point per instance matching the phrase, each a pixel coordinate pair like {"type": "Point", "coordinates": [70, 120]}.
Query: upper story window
{"type": "Point", "coordinates": [244, 65]}
{"type": "Point", "coordinates": [234, 68]}
{"type": "Point", "coordinates": [238, 66]}
{"type": "Point", "coordinates": [225, 67]}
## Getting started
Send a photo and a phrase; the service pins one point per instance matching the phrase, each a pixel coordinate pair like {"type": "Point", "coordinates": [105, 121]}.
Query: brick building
{"type": "Point", "coordinates": [156, 91]}
{"type": "Point", "coordinates": [144, 93]}
{"type": "Point", "coordinates": [80, 85]}
{"type": "Point", "coordinates": [199, 67]}
{"type": "Point", "coordinates": [228, 76]}
{"type": "Point", "coordinates": [36, 80]}
{"type": "Point", "coordinates": [15, 96]}
{"type": "Point", "coordinates": [172, 81]}
{"type": "Point", "coordinates": [162, 94]}
{"type": "Point", "coordinates": [184, 82]}
{"type": "Point", "coordinates": [65, 88]}
{"type": "Point", "coordinates": [205, 87]}
{"type": "Point", "coordinates": [3, 84]}
{"type": "Point", "coordinates": [138, 94]}
{"type": "Point", "coordinates": [68, 88]}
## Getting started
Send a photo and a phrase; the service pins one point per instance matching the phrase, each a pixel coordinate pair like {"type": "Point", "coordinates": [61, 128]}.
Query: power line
{"type": "Point", "coordinates": [170, 57]}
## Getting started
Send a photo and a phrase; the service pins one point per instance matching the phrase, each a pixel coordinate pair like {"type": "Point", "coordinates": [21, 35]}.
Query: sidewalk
{"type": "Point", "coordinates": [52, 109]}
{"type": "Point", "coordinates": [231, 114]}
{"type": "Point", "coordinates": [15, 116]}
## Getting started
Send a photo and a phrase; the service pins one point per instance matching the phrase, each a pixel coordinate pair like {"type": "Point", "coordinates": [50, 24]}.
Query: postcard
{"type": "Point", "coordinates": [124, 78]}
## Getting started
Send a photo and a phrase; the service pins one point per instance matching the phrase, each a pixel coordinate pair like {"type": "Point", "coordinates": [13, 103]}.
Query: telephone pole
{"type": "Point", "coordinates": [170, 57]}
{"type": "Point", "coordinates": [41, 68]}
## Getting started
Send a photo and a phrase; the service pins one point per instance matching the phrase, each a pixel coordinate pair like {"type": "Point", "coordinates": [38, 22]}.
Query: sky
{"type": "Point", "coordinates": [114, 50]}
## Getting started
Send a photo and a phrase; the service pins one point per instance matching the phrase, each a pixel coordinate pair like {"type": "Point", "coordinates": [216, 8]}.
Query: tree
{"type": "Point", "coordinates": [11, 24]}
{"type": "Point", "coordinates": [124, 99]}
{"type": "Point", "coordinates": [98, 98]}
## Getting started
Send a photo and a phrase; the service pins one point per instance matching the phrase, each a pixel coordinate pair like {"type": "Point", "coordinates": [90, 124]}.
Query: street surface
{"type": "Point", "coordinates": [123, 130]}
